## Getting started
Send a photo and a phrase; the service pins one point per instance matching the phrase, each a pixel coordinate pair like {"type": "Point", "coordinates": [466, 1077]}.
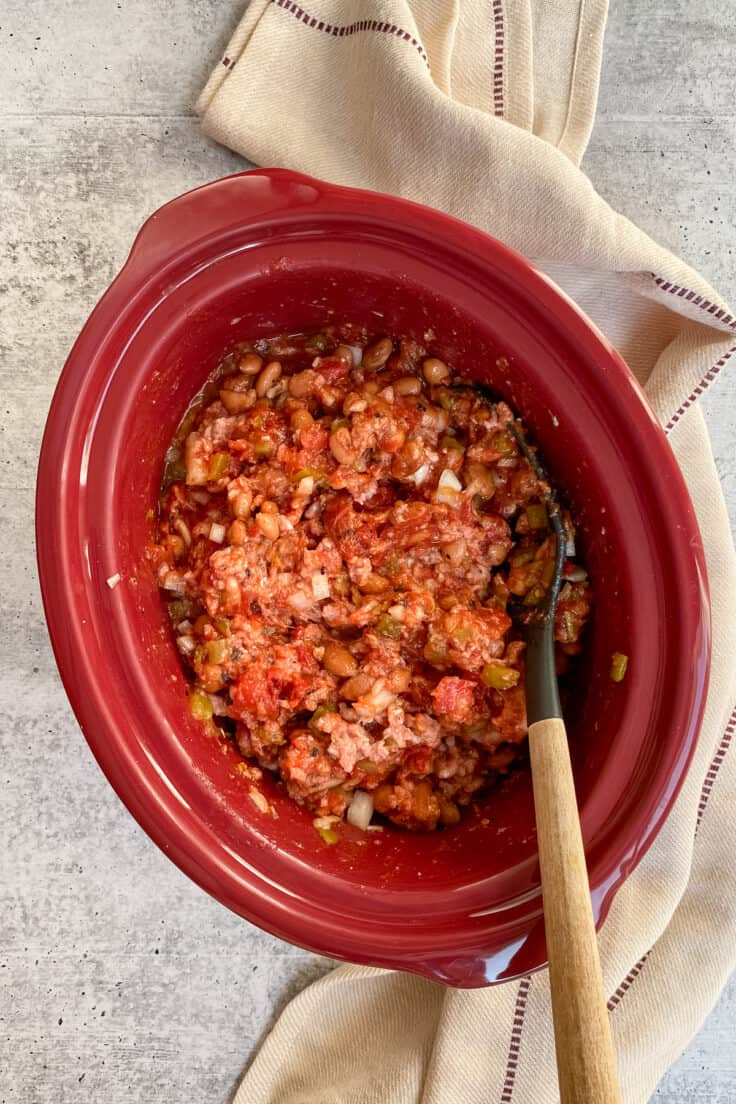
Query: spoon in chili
{"type": "Point", "coordinates": [586, 1062]}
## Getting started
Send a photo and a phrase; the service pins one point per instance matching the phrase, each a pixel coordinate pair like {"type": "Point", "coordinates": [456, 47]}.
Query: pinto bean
{"type": "Point", "coordinates": [408, 459]}
{"type": "Point", "coordinates": [449, 812]}
{"type": "Point", "coordinates": [301, 419]}
{"type": "Point", "coordinates": [423, 801]}
{"type": "Point", "coordinates": [268, 521]}
{"type": "Point", "coordinates": [435, 371]}
{"type": "Point", "coordinates": [399, 680]}
{"type": "Point", "coordinates": [250, 364]}
{"type": "Point", "coordinates": [338, 660]}
{"type": "Point", "coordinates": [237, 533]}
{"type": "Point", "coordinates": [240, 500]}
{"type": "Point", "coordinates": [479, 479]}
{"type": "Point", "coordinates": [344, 353]}
{"type": "Point", "coordinates": [303, 384]}
{"type": "Point", "coordinates": [408, 385]}
{"type": "Point", "coordinates": [268, 377]}
{"type": "Point", "coordinates": [235, 402]}
{"type": "Point", "coordinates": [454, 551]}
{"type": "Point", "coordinates": [376, 355]}
{"type": "Point", "coordinates": [356, 686]}
{"type": "Point", "coordinates": [374, 584]}
{"type": "Point", "coordinates": [340, 447]}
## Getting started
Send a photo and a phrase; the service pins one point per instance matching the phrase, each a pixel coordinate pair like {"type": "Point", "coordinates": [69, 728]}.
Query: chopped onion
{"type": "Point", "coordinates": [360, 810]}
{"type": "Point", "coordinates": [305, 486]}
{"type": "Point", "coordinates": [449, 497]}
{"type": "Point", "coordinates": [173, 582]}
{"type": "Point", "coordinates": [357, 354]}
{"type": "Point", "coordinates": [186, 644]}
{"type": "Point", "coordinates": [325, 821]}
{"type": "Point", "coordinates": [219, 708]}
{"type": "Point", "coordinates": [570, 547]}
{"type": "Point", "coordinates": [217, 532]}
{"type": "Point", "coordinates": [420, 474]}
{"type": "Point", "coordinates": [184, 626]}
{"type": "Point", "coordinates": [299, 601]}
{"type": "Point", "coordinates": [259, 800]}
{"type": "Point", "coordinates": [449, 479]}
{"type": "Point", "coordinates": [507, 462]}
{"type": "Point", "coordinates": [577, 575]}
{"type": "Point", "coordinates": [320, 586]}
{"type": "Point", "coordinates": [113, 581]}
{"type": "Point", "coordinates": [449, 488]}
{"type": "Point", "coordinates": [183, 530]}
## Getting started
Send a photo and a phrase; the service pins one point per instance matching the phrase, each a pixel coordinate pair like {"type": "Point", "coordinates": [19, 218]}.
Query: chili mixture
{"type": "Point", "coordinates": [343, 524]}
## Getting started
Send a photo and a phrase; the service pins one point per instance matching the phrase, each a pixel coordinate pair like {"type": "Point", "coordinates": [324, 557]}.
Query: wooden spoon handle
{"type": "Point", "coordinates": [586, 1062]}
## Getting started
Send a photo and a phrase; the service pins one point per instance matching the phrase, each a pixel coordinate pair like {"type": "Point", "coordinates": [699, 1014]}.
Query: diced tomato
{"type": "Point", "coordinates": [256, 693]}
{"type": "Point", "coordinates": [455, 698]}
{"type": "Point", "coordinates": [333, 369]}
{"type": "Point", "coordinates": [419, 760]}
{"type": "Point", "coordinates": [339, 516]}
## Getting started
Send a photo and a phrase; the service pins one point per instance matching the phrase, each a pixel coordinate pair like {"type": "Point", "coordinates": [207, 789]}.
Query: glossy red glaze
{"type": "Point", "coordinates": [269, 251]}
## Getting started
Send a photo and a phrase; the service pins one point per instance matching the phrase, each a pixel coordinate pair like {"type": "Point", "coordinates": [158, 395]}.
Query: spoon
{"type": "Point", "coordinates": [586, 1061]}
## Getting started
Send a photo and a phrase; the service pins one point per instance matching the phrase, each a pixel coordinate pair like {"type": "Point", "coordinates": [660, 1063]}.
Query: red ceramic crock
{"type": "Point", "coordinates": [271, 251]}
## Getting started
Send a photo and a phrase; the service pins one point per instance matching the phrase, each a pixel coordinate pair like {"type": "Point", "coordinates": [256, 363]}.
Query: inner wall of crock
{"type": "Point", "coordinates": [557, 393]}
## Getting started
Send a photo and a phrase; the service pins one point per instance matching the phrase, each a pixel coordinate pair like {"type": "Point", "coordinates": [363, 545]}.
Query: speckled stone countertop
{"type": "Point", "coordinates": [119, 979]}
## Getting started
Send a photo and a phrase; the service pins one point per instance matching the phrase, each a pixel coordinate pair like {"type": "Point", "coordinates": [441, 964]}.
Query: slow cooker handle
{"type": "Point", "coordinates": [219, 209]}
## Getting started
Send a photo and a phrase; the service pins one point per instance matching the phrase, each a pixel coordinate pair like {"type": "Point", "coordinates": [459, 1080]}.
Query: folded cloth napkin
{"type": "Point", "coordinates": [483, 108]}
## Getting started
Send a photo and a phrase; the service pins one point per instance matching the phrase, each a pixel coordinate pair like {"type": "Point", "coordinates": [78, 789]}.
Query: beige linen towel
{"type": "Point", "coordinates": [483, 108]}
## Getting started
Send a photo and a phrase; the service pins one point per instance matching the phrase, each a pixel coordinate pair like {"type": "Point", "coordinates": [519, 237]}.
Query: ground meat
{"type": "Point", "coordinates": [341, 529]}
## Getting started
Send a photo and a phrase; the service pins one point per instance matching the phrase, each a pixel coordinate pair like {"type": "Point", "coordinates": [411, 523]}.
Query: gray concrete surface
{"type": "Point", "coordinates": [119, 980]}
